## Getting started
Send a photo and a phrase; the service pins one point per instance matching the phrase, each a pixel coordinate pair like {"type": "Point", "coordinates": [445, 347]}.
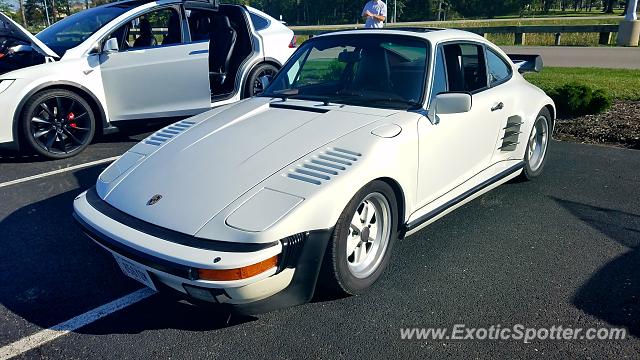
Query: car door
{"type": "Point", "coordinates": [500, 72]}
{"type": "Point", "coordinates": [157, 74]}
{"type": "Point", "coordinates": [456, 147]}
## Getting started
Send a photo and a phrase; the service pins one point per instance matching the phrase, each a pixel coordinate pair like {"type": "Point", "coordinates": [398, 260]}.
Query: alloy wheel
{"type": "Point", "coordinates": [60, 125]}
{"type": "Point", "coordinates": [257, 85]}
{"type": "Point", "coordinates": [368, 236]}
{"type": "Point", "coordinates": [538, 141]}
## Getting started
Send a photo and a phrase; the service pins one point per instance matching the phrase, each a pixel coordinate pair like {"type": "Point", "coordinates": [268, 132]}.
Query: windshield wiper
{"type": "Point", "coordinates": [411, 103]}
{"type": "Point", "coordinates": [284, 94]}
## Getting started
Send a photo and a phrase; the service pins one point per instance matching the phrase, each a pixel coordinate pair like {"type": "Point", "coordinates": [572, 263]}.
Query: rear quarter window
{"type": "Point", "coordinates": [258, 21]}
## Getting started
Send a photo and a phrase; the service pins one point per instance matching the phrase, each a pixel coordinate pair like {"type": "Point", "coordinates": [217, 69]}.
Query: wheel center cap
{"type": "Point", "coordinates": [364, 235]}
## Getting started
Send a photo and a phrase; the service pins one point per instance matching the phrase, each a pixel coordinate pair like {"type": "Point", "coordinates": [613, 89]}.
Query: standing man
{"type": "Point", "coordinates": [374, 14]}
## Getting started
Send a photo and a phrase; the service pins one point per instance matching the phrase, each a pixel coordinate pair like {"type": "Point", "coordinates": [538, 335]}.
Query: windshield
{"type": "Point", "coordinates": [385, 71]}
{"type": "Point", "coordinates": [71, 31]}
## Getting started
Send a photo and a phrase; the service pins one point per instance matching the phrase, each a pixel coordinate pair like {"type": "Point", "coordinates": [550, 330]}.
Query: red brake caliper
{"type": "Point", "coordinates": [72, 117]}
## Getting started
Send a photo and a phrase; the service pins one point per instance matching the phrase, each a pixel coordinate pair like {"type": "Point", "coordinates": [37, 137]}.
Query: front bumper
{"type": "Point", "coordinates": [10, 100]}
{"type": "Point", "coordinates": [172, 259]}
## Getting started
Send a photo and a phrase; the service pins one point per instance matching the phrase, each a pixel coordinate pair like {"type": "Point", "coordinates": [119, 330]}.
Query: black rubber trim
{"type": "Point", "coordinates": [458, 199]}
{"type": "Point", "coordinates": [165, 266]}
{"type": "Point", "coordinates": [303, 285]}
{"type": "Point", "coordinates": [298, 107]}
{"type": "Point", "coordinates": [169, 235]}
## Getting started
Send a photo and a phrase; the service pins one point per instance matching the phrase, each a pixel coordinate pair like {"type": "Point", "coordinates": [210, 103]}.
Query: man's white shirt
{"type": "Point", "coordinates": [376, 8]}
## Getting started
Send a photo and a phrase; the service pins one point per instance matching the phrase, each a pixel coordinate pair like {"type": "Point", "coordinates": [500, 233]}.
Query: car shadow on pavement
{"type": "Point", "coordinates": [159, 312]}
{"type": "Point", "coordinates": [613, 292]}
{"type": "Point", "coordinates": [16, 157]}
{"type": "Point", "coordinates": [129, 134]}
{"type": "Point", "coordinates": [51, 272]}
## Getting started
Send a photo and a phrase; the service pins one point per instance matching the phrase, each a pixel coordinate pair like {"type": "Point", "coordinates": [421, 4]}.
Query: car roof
{"type": "Point", "coordinates": [434, 35]}
{"type": "Point", "coordinates": [128, 3]}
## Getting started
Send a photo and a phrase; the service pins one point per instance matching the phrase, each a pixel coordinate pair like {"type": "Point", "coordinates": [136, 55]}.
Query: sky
{"type": "Point", "coordinates": [13, 3]}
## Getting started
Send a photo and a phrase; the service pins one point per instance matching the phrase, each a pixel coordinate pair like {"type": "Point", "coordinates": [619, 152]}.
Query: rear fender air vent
{"type": "Point", "coordinates": [512, 132]}
{"type": "Point", "coordinates": [323, 166]}
{"type": "Point", "coordinates": [163, 135]}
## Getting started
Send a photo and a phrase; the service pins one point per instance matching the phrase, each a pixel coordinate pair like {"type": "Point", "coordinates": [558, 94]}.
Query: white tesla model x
{"type": "Point", "coordinates": [107, 66]}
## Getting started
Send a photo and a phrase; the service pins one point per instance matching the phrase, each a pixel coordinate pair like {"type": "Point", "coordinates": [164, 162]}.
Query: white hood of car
{"type": "Point", "coordinates": [208, 166]}
{"type": "Point", "coordinates": [19, 32]}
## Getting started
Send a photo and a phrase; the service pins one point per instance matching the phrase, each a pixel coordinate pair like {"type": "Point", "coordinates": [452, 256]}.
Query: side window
{"type": "Point", "coordinates": [498, 69]}
{"type": "Point", "coordinates": [199, 24]}
{"type": "Point", "coordinates": [258, 21]}
{"type": "Point", "coordinates": [466, 68]}
{"type": "Point", "coordinates": [156, 28]}
{"type": "Point", "coordinates": [439, 76]}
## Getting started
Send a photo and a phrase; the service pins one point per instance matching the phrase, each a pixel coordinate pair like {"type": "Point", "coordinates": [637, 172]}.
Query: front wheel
{"type": "Point", "coordinates": [361, 244]}
{"type": "Point", "coordinates": [536, 152]}
{"type": "Point", "coordinates": [58, 124]}
{"type": "Point", "coordinates": [253, 85]}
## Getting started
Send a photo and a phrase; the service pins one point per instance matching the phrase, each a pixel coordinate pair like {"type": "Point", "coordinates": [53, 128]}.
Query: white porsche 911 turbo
{"type": "Point", "coordinates": [363, 138]}
{"type": "Point", "coordinates": [108, 66]}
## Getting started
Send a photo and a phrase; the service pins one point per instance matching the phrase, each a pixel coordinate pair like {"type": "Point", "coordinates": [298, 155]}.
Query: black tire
{"type": "Point", "coordinates": [63, 119]}
{"type": "Point", "coordinates": [335, 275]}
{"type": "Point", "coordinates": [533, 170]}
{"type": "Point", "coordinates": [253, 86]}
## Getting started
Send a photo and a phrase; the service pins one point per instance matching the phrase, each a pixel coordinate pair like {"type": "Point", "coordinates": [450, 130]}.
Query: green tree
{"type": "Point", "coordinates": [488, 9]}
{"type": "Point", "coordinates": [5, 7]}
{"type": "Point", "coordinates": [33, 12]}
{"type": "Point", "coordinates": [608, 8]}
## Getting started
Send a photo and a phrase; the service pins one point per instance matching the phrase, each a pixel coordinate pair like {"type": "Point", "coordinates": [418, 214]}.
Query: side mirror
{"type": "Point", "coordinates": [449, 103]}
{"type": "Point", "coordinates": [264, 80]}
{"type": "Point", "coordinates": [110, 46]}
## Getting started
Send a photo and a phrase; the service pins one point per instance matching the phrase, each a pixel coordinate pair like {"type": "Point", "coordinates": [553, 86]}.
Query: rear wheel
{"type": "Point", "coordinates": [253, 85]}
{"type": "Point", "coordinates": [361, 244]}
{"type": "Point", "coordinates": [58, 123]}
{"type": "Point", "coordinates": [536, 152]}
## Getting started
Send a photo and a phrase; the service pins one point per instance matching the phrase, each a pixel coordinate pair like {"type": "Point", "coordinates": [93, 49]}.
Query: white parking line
{"type": "Point", "coordinates": [59, 171]}
{"type": "Point", "coordinates": [40, 338]}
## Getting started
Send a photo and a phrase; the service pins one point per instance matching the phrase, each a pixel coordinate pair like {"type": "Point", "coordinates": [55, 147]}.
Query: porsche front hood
{"type": "Point", "coordinates": [206, 168]}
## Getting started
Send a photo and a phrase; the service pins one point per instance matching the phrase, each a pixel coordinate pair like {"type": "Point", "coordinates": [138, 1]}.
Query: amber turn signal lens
{"type": "Point", "coordinates": [238, 274]}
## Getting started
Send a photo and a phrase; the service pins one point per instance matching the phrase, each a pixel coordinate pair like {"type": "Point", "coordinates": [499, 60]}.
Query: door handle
{"type": "Point", "coordinates": [500, 106]}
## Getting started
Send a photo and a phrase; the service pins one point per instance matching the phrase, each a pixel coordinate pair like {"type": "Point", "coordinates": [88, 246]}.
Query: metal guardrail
{"type": "Point", "coordinates": [520, 32]}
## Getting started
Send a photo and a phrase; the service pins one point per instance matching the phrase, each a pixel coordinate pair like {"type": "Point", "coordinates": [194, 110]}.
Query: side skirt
{"type": "Point", "coordinates": [459, 200]}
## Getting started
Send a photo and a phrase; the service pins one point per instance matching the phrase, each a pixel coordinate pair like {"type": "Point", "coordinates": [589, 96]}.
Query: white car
{"type": "Point", "coordinates": [363, 138]}
{"type": "Point", "coordinates": [105, 67]}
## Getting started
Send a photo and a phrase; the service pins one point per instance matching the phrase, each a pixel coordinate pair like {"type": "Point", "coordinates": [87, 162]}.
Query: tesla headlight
{"type": "Point", "coordinates": [4, 85]}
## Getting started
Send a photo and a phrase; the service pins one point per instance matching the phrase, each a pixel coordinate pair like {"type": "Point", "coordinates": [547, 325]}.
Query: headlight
{"type": "Point", "coordinates": [263, 210]}
{"type": "Point", "coordinates": [117, 168]}
{"type": "Point", "coordinates": [4, 85]}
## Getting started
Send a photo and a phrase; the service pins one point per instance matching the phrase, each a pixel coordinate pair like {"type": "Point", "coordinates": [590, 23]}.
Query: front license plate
{"type": "Point", "coordinates": [134, 271]}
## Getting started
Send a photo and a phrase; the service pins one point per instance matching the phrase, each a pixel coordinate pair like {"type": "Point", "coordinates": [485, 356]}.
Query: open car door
{"type": "Point", "coordinates": [150, 71]}
{"type": "Point", "coordinates": [202, 4]}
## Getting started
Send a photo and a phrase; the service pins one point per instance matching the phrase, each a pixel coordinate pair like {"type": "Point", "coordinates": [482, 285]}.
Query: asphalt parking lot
{"type": "Point", "coordinates": [563, 250]}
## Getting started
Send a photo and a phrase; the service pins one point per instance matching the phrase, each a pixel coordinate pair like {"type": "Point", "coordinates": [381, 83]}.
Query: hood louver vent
{"type": "Point", "coordinates": [167, 133]}
{"type": "Point", "coordinates": [323, 166]}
